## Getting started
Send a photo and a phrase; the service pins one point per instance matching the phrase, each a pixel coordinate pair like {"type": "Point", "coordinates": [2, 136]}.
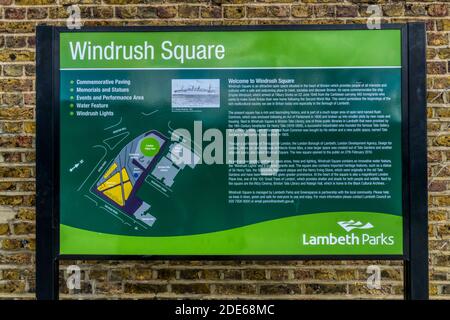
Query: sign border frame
{"type": "Point", "coordinates": [47, 144]}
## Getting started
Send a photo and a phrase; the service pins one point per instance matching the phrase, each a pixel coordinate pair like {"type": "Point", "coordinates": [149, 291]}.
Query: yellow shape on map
{"type": "Point", "coordinates": [115, 194]}
{"type": "Point", "coordinates": [113, 181]}
{"type": "Point", "coordinates": [125, 175]}
{"type": "Point", "coordinates": [102, 187]}
{"type": "Point", "coordinates": [110, 170]}
{"type": "Point", "coordinates": [127, 187]}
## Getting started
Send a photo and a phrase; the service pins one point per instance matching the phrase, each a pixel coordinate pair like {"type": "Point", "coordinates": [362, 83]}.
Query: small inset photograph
{"type": "Point", "coordinates": [195, 93]}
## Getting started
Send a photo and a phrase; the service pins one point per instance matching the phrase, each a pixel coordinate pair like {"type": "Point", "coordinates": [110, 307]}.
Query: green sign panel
{"type": "Point", "coordinates": [231, 143]}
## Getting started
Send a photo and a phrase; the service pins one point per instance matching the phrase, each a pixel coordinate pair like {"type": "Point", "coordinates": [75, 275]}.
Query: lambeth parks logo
{"type": "Point", "coordinates": [350, 225]}
{"type": "Point", "coordinates": [355, 235]}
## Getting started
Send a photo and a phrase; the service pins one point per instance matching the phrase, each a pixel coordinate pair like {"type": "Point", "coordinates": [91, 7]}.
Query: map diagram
{"type": "Point", "coordinates": [143, 157]}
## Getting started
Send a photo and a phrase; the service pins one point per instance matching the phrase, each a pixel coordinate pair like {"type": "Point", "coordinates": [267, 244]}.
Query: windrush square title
{"type": "Point", "coordinates": [167, 50]}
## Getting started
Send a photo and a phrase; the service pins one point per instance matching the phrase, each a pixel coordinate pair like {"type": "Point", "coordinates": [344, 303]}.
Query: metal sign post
{"type": "Point", "coordinates": [416, 264]}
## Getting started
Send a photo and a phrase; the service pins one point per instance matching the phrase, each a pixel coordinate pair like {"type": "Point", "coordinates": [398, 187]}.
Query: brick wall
{"type": "Point", "coordinates": [269, 279]}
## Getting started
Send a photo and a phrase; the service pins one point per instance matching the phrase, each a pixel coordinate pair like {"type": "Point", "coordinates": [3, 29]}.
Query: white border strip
{"type": "Point", "coordinates": [237, 68]}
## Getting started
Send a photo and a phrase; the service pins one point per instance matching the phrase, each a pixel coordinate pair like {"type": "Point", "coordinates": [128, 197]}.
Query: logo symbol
{"type": "Point", "coordinates": [374, 279]}
{"type": "Point", "coordinates": [74, 19]}
{"type": "Point", "coordinates": [350, 225]}
{"type": "Point", "coordinates": [73, 280]}
{"type": "Point", "coordinates": [374, 21]}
